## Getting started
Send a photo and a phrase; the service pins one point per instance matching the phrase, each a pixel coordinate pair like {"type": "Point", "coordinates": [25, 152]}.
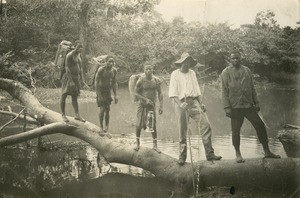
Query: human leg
{"type": "Point", "coordinates": [76, 108]}
{"type": "Point", "coordinates": [237, 119]}
{"type": "Point", "coordinates": [204, 129]}
{"type": "Point", "coordinates": [138, 135]}
{"type": "Point", "coordinates": [154, 136]}
{"type": "Point", "coordinates": [260, 129]}
{"type": "Point", "coordinates": [101, 117]}
{"type": "Point", "coordinates": [182, 119]}
{"type": "Point", "coordinates": [63, 106]}
{"type": "Point", "coordinates": [139, 125]}
{"type": "Point", "coordinates": [107, 116]}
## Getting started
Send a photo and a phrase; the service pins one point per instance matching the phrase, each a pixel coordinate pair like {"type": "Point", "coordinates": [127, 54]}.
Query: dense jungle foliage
{"type": "Point", "coordinates": [133, 32]}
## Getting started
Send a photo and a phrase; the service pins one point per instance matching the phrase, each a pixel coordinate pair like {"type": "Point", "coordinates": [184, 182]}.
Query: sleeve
{"type": "Point", "coordinates": [254, 93]}
{"type": "Point", "coordinates": [225, 89]}
{"type": "Point", "coordinates": [196, 84]}
{"type": "Point", "coordinates": [173, 90]}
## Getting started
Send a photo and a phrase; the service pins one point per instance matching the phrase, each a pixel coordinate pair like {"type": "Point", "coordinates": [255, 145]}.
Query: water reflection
{"type": "Point", "coordinates": [278, 108]}
{"type": "Point", "coordinates": [58, 169]}
{"type": "Point", "coordinates": [34, 171]}
{"type": "Point", "coordinates": [37, 172]}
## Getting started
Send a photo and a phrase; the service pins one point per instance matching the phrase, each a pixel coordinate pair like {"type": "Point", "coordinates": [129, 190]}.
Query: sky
{"type": "Point", "coordinates": [235, 12]}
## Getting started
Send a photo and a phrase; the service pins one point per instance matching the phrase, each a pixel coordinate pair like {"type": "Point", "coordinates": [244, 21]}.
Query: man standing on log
{"type": "Point", "coordinates": [240, 101]}
{"type": "Point", "coordinates": [105, 81]}
{"type": "Point", "coordinates": [145, 91]}
{"type": "Point", "coordinates": [71, 81]}
{"type": "Point", "coordinates": [185, 92]}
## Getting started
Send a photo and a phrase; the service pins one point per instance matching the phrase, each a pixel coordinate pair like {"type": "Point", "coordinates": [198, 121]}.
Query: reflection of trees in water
{"type": "Point", "coordinates": [51, 167]}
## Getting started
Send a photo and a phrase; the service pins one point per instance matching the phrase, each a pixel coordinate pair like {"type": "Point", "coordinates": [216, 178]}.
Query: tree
{"type": "Point", "coordinates": [267, 173]}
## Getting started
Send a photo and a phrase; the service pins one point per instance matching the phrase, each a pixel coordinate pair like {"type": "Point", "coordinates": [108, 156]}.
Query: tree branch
{"type": "Point", "coordinates": [21, 117]}
{"type": "Point", "coordinates": [277, 174]}
{"type": "Point", "coordinates": [9, 122]}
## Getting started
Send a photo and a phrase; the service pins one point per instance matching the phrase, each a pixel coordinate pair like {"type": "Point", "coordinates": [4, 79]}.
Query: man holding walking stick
{"type": "Point", "coordinates": [185, 92]}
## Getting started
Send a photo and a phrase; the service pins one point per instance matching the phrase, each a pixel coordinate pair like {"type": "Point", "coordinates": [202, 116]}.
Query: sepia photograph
{"type": "Point", "coordinates": [149, 98]}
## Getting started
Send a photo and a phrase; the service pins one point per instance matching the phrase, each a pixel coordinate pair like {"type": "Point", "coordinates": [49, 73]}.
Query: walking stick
{"type": "Point", "coordinates": [190, 145]}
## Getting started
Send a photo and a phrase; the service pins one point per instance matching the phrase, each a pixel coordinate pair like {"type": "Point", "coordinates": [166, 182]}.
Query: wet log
{"type": "Point", "coordinates": [268, 173]}
{"type": "Point", "coordinates": [290, 139]}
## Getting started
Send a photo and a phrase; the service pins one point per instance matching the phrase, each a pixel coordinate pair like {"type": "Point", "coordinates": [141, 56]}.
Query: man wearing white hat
{"type": "Point", "coordinates": [185, 92]}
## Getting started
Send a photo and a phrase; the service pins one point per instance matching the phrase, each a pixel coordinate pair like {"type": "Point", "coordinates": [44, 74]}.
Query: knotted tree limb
{"type": "Point", "coordinates": [276, 174]}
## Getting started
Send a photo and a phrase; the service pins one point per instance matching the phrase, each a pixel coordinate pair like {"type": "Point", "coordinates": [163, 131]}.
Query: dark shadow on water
{"type": "Point", "coordinates": [73, 170]}
{"type": "Point", "coordinates": [117, 185]}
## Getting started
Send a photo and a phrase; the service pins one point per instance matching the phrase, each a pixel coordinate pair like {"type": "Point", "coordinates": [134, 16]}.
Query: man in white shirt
{"type": "Point", "coordinates": [185, 91]}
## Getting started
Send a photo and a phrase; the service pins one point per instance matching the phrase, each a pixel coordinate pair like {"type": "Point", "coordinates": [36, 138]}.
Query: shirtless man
{"type": "Point", "coordinates": [71, 81]}
{"type": "Point", "coordinates": [105, 81]}
{"type": "Point", "coordinates": [145, 90]}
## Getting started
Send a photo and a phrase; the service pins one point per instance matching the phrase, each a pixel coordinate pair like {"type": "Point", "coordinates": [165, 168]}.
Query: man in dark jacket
{"type": "Point", "coordinates": [240, 101]}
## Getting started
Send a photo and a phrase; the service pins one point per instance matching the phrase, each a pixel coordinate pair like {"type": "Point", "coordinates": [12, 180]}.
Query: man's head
{"type": "Point", "coordinates": [78, 46]}
{"type": "Point", "coordinates": [148, 69]}
{"type": "Point", "coordinates": [235, 59]}
{"type": "Point", "coordinates": [186, 62]}
{"type": "Point", "coordinates": [110, 62]}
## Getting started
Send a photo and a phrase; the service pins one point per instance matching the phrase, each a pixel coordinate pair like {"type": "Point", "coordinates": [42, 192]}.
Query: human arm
{"type": "Point", "coordinates": [81, 76]}
{"type": "Point", "coordinates": [160, 98]}
{"type": "Point", "coordinates": [254, 93]}
{"type": "Point", "coordinates": [197, 91]}
{"type": "Point", "coordinates": [225, 93]}
{"type": "Point", "coordinates": [138, 90]}
{"type": "Point", "coordinates": [115, 86]}
{"type": "Point", "coordinates": [68, 66]}
{"type": "Point", "coordinates": [98, 77]}
{"type": "Point", "coordinates": [173, 91]}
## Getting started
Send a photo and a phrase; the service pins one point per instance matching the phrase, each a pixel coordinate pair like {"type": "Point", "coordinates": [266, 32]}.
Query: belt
{"type": "Point", "coordinates": [189, 98]}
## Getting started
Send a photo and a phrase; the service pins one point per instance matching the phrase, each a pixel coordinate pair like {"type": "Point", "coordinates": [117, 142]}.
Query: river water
{"type": "Point", "coordinates": [57, 170]}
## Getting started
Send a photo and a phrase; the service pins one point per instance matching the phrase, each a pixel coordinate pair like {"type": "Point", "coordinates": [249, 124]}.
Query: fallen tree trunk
{"type": "Point", "coordinates": [290, 139]}
{"type": "Point", "coordinates": [269, 172]}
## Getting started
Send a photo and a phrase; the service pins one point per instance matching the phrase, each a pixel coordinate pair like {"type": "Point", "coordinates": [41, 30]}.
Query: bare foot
{"type": "Point", "coordinates": [181, 161]}
{"type": "Point", "coordinates": [239, 159]}
{"type": "Point", "coordinates": [137, 148]}
{"type": "Point", "coordinates": [79, 118]}
{"type": "Point", "coordinates": [105, 129]}
{"type": "Point", "coordinates": [65, 119]}
{"type": "Point", "coordinates": [108, 135]}
{"type": "Point", "coordinates": [156, 149]}
{"type": "Point", "coordinates": [271, 155]}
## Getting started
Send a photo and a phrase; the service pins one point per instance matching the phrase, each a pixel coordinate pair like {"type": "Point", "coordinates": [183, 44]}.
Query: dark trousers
{"type": "Point", "coordinates": [237, 119]}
